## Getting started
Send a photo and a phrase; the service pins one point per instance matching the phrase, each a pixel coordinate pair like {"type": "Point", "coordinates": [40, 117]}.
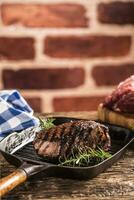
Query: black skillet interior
{"type": "Point", "coordinates": [120, 138]}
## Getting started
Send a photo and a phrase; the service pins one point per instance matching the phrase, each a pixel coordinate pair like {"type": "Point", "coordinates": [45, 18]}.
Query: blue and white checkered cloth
{"type": "Point", "coordinates": [15, 113]}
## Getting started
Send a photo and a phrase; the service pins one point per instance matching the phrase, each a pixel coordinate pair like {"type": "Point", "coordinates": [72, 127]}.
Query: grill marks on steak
{"type": "Point", "coordinates": [61, 140]}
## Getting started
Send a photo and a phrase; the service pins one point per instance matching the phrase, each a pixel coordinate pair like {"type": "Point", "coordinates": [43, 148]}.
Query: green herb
{"type": "Point", "coordinates": [85, 158]}
{"type": "Point", "coordinates": [47, 123]}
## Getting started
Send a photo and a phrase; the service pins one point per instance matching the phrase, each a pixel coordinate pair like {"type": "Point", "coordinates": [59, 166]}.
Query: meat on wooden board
{"type": "Point", "coordinates": [122, 98]}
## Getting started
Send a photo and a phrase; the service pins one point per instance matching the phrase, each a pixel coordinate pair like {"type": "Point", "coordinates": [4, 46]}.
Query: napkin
{"type": "Point", "coordinates": [15, 113]}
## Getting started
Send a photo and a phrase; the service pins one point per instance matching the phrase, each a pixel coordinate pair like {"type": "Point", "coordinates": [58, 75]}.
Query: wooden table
{"type": "Point", "coordinates": [115, 183]}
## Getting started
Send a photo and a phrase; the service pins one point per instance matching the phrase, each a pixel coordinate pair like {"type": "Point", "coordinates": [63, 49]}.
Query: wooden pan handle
{"type": "Point", "coordinates": [11, 181]}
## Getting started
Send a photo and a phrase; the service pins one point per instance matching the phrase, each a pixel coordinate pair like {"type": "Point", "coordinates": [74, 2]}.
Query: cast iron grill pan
{"type": "Point", "coordinates": [119, 137]}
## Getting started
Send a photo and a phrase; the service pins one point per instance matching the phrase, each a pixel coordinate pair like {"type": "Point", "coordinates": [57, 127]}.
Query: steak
{"type": "Point", "coordinates": [122, 98]}
{"type": "Point", "coordinates": [62, 140]}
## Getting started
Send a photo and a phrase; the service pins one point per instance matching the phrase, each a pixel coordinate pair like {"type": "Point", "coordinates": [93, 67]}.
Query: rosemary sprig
{"type": "Point", "coordinates": [47, 123]}
{"type": "Point", "coordinates": [85, 158]}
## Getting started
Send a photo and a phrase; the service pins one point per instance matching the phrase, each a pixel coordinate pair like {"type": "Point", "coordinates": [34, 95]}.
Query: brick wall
{"type": "Point", "coordinates": [65, 55]}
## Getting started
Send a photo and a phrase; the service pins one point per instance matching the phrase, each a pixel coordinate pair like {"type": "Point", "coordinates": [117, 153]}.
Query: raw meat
{"type": "Point", "coordinates": [122, 98]}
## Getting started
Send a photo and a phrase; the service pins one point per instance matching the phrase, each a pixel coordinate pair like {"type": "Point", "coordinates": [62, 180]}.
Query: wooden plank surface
{"type": "Point", "coordinates": [115, 183]}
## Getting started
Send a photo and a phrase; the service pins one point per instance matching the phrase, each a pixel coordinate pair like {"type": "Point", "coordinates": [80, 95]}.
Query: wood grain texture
{"type": "Point", "coordinates": [11, 181]}
{"type": "Point", "coordinates": [115, 183]}
{"type": "Point", "coordinates": [106, 115]}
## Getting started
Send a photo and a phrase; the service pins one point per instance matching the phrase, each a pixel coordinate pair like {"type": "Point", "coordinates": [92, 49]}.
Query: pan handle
{"type": "Point", "coordinates": [11, 181]}
{"type": "Point", "coordinates": [20, 175]}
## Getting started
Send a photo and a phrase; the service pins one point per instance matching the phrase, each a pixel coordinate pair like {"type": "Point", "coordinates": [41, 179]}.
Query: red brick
{"type": "Point", "coordinates": [112, 75]}
{"type": "Point", "coordinates": [45, 15]}
{"type": "Point", "coordinates": [77, 103]}
{"type": "Point", "coordinates": [43, 78]}
{"type": "Point", "coordinates": [35, 103]}
{"type": "Point", "coordinates": [87, 46]}
{"type": "Point", "coordinates": [16, 48]}
{"type": "Point", "coordinates": [116, 13]}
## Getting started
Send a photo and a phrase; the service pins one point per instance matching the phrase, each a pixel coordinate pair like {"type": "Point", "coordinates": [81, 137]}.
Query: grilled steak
{"type": "Point", "coordinates": [61, 140]}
